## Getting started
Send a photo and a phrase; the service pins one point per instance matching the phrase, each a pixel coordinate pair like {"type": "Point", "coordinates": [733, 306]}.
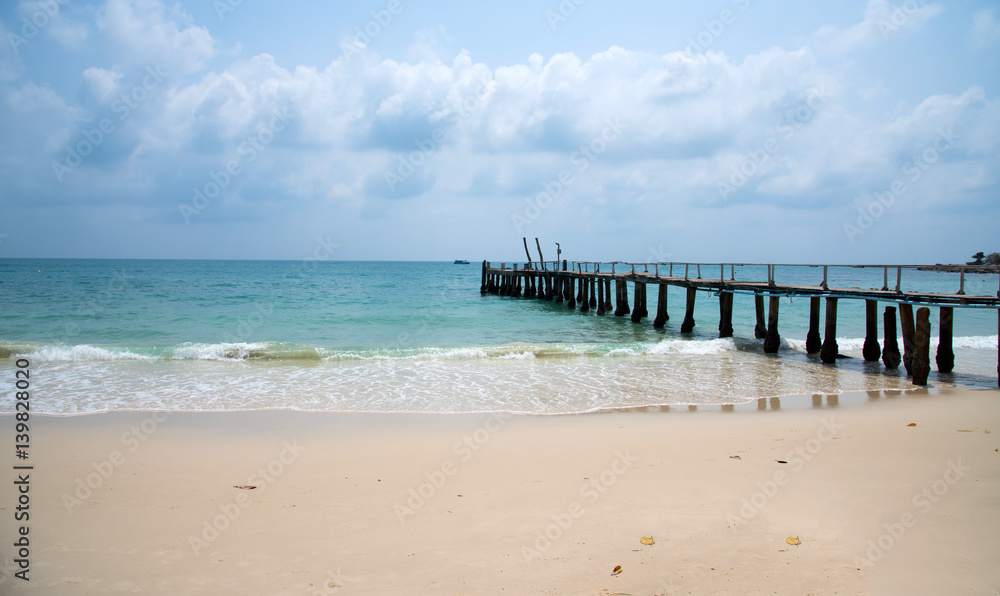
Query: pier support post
{"type": "Point", "coordinates": [828, 353]}
{"type": "Point", "coordinates": [600, 297]}
{"type": "Point", "coordinates": [922, 346]}
{"type": "Point", "coordinates": [726, 314]}
{"type": "Point", "coordinates": [570, 296]}
{"type": "Point", "coordinates": [517, 283]}
{"type": "Point", "coordinates": [688, 323]}
{"type": "Point", "coordinates": [580, 291]}
{"type": "Point", "coordinates": [557, 288]}
{"type": "Point", "coordinates": [482, 285]}
{"type": "Point", "coordinates": [638, 311]}
{"type": "Point", "coordinates": [871, 351]}
{"type": "Point", "coordinates": [760, 329]}
{"type": "Point", "coordinates": [622, 288]}
{"type": "Point", "coordinates": [607, 296]}
{"type": "Point", "coordinates": [593, 292]}
{"type": "Point", "coordinates": [945, 355]}
{"type": "Point", "coordinates": [813, 343]}
{"type": "Point", "coordinates": [584, 298]}
{"type": "Point", "coordinates": [661, 308]}
{"type": "Point", "coordinates": [890, 351]}
{"type": "Point", "coordinates": [642, 295]}
{"type": "Point", "coordinates": [773, 340]}
{"type": "Point", "coordinates": [906, 324]}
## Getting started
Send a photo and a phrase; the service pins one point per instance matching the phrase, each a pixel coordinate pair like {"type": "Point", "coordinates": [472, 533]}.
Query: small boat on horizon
{"type": "Point", "coordinates": [461, 262]}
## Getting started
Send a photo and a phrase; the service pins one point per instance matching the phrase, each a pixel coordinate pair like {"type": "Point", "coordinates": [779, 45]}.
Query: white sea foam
{"type": "Point", "coordinates": [697, 347]}
{"type": "Point", "coordinates": [80, 353]}
{"type": "Point", "coordinates": [222, 351]}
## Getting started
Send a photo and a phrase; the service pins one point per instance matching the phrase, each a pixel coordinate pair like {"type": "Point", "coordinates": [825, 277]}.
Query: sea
{"type": "Point", "coordinates": [417, 337]}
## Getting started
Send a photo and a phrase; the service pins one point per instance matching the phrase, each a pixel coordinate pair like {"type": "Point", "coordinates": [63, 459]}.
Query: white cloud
{"type": "Point", "coordinates": [148, 32]}
{"type": "Point", "coordinates": [882, 22]}
{"type": "Point", "coordinates": [986, 27]}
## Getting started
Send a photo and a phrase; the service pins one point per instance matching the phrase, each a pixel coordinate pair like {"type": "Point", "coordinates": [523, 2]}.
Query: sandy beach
{"type": "Point", "coordinates": [477, 504]}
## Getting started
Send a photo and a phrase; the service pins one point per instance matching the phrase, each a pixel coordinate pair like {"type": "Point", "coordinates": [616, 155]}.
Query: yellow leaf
{"type": "Point", "coordinates": [793, 540]}
{"type": "Point", "coordinates": [647, 540]}
{"type": "Point", "coordinates": [617, 570]}
{"type": "Point", "coordinates": [912, 424]}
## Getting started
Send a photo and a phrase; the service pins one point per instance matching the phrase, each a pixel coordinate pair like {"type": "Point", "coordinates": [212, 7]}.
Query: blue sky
{"type": "Point", "coordinates": [857, 131]}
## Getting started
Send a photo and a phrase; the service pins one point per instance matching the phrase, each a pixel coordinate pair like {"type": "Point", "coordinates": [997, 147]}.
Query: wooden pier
{"type": "Point", "coordinates": [587, 284]}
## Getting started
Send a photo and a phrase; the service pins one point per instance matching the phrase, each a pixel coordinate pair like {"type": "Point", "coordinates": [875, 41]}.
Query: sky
{"type": "Point", "coordinates": [857, 131]}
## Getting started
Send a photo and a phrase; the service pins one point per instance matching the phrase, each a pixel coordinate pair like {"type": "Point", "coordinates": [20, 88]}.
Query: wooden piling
{"type": "Point", "coordinates": [607, 296]}
{"type": "Point", "coordinates": [726, 314]}
{"type": "Point", "coordinates": [922, 346]}
{"type": "Point", "coordinates": [871, 351]}
{"type": "Point", "coordinates": [579, 290]}
{"type": "Point", "coordinates": [907, 327]}
{"type": "Point", "coordinates": [945, 354]}
{"type": "Point", "coordinates": [813, 343]}
{"type": "Point", "coordinates": [890, 350]}
{"type": "Point", "coordinates": [600, 298]}
{"type": "Point", "coordinates": [661, 308]}
{"type": "Point", "coordinates": [570, 296]}
{"type": "Point", "coordinates": [828, 353]}
{"type": "Point", "coordinates": [557, 292]}
{"type": "Point", "coordinates": [621, 286]}
{"type": "Point", "coordinates": [637, 311]}
{"type": "Point", "coordinates": [584, 298]}
{"type": "Point", "coordinates": [642, 296]}
{"type": "Point", "coordinates": [593, 292]}
{"type": "Point", "coordinates": [760, 329]}
{"type": "Point", "coordinates": [482, 285]}
{"type": "Point", "coordinates": [688, 323]}
{"type": "Point", "coordinates": [772, 341]}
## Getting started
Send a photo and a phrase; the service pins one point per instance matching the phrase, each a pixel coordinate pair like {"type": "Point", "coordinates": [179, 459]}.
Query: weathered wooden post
{"type": "Point", "coordinates": [482, 285]}
{"type": "Point", "coordinates": [661, 308]}
{"type": "Point", "coordinates": [607, 296]}
{"type": "Point", "coordinates": [907, 326]}
{"type": "Point", "coordinates": [813, 343]}
{"type": "Point", "coordinates": [725, 314]}
{"type": "Point", "coordinates": [584, 298]}
{"type": "Point", "coordinates": [772, 341]}
{"type": "Point", "coordinates": [828, 353]}
{"type": "Point", "coordinates": [621, 288]}
{"type": "Point", "coordinates": [517, 282]}
{"type": "Point", "coordinates": [871, 351]}
{"type": "Point", "coordinates": [557, 291]}
{"type": "Point", "coordinates": [637, 300]}
{"type": "Point", "coordinates": [642, 294]}
{"type": "Point", "coordinates": [760, 329]}
{"type": "Point", "coordinates": [688, 324]}
{"type": "Point", "coordinates": [600, 298]}
{"type": "Point", "coordinates": [945, 354]}
{"type": "Point", "coordinates": [570, 296]}
{"type": "Point", "coordinates": [922, 346]}
{"type": "Point", "coordinates": [890, 351]}
{"type": "Point", "coordinates": [579, 291]}
{"type": "Point", "coordinates": [593, 292]}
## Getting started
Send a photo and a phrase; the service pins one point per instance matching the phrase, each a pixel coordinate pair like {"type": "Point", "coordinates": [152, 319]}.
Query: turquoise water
{"type": "Point", "coordinates": [411, 336]}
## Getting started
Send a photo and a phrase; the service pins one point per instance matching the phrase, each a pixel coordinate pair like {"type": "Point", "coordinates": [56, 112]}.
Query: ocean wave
{"type": "Point", "coordinates": [289, 352]}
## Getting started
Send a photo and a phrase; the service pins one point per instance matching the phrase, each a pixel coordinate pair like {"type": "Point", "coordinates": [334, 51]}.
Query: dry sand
{"type": "Point", "coordinates": [526, 505]}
